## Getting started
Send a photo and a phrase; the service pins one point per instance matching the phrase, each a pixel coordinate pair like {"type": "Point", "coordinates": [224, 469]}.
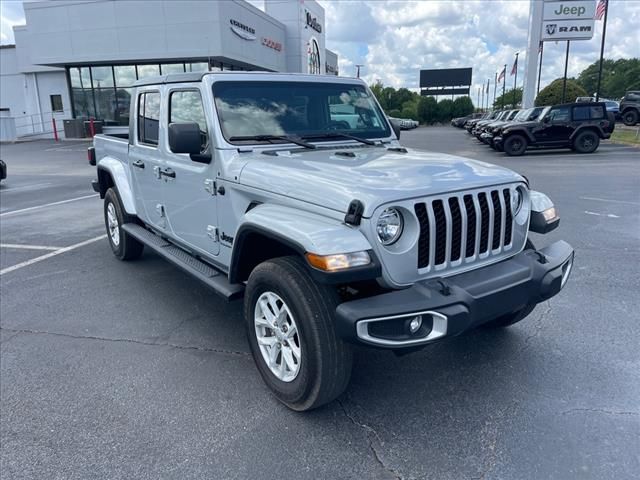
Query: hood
{"type": "Point", "coordinates": [530, 124]}
{"type": "Point", "coordinates": [375, 175]}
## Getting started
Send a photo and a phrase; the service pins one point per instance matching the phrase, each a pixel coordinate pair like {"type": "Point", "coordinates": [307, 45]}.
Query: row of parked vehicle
{"type": "Point", "coordinates": [627, 110]}
{"type": "Point", "coordinates": [578, 126]}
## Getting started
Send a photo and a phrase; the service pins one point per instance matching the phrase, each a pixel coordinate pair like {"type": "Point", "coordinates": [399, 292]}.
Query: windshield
{"type": "Point", "coordinates": [543, 113]}
{"type": "Point", "coordinates": [523, 114]}
{"type": "Point", "coordinates": [296, 109]}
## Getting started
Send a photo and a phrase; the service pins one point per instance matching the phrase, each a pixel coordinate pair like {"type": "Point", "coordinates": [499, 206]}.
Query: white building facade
{"type": "Point", "coordinates": [79, 59]}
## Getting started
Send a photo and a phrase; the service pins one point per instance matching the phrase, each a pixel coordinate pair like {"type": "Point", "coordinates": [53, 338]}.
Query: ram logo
{"type": "Point", "coordinates": [551, 28]}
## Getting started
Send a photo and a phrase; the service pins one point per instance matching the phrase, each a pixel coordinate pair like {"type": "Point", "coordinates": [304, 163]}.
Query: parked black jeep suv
{"type": "Point", "coordinates": [630, 108]}
{"type": "Point", "coordinates": [578, 126]}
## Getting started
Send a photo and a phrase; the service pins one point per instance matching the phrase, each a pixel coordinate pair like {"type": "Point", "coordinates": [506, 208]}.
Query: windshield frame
{"type": "Point", "coordinates": [386, 134]}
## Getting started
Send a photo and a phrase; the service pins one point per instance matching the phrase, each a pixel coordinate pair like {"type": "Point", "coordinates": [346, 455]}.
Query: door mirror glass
{"type": "Point", "coordinates": [185, 138]}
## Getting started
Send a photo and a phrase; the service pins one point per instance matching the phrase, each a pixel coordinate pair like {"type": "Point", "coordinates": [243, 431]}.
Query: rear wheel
{"type": "Point", "coordinates": [630, 118]}
{"type": "Point", "coordinates": [586, 142]}
{"type": "Point", "coordinates": [517, 316]}
{"type": "Point", "coordinates": [124, 246]}
{"type": "Point", "coordinates": [290, 327]}
{"type": "Point", "coordinates": [515, 145]}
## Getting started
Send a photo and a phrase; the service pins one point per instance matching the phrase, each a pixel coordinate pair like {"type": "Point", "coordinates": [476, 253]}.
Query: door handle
{"type": "Point", "coordinates": [138, 164]}
{"type": "Point", "coordinates": [167, 172]}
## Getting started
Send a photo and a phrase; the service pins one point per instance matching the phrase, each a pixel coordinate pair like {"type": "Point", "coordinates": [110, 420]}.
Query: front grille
{"type": "Point", "coordinates": [462, 228]}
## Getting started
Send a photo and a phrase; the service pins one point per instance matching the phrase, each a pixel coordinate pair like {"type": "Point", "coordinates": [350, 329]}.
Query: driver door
{"type": "Point", "coordinates": [558, 127]}
{"type": "Point", "coordinates": [189, 194]}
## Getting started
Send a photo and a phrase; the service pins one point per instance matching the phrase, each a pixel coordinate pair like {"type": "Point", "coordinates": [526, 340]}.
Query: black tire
{"type": "Point", "coordinates": [630, 118]}
{"type": "Point", "coordinates": [124, 247]}
{"type": "Point", "coordinates": [515, 145]}
{"type": "Point", "coordinates": [586, 142]}
{"type": "Point", "coordinates": [324, 367]}
{"type": "Point", "coordinates": [517, 316]}
{"type": "Point", "coordinates": [499, 147]}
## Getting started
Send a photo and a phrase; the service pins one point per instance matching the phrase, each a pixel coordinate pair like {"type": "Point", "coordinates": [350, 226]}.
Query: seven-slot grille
{"type": "Point", "coordinates": [464, 227]}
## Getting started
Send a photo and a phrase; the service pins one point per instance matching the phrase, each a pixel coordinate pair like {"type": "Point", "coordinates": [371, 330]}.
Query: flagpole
{"type": "Point", "coordinates": [479, 107]}
{"type": "Point", "coordinates": [515, 81]}
{"type": "Point", "coordinates": [488, 86]}
{"type": "Point", "coordinates": [604, 34]}
{"type": "Point", "coordinates": [482, 101]}
{"type": "Point", "coordinates": [540, 67]}
{"type": "Point", "coordinates": [495, 85]}
{"type": "Point", "coordinates": [566, 64]}
{"type": "Point", "coordinates": [504, 83]}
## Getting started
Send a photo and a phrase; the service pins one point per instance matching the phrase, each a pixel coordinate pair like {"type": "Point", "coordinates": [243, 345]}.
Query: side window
{"type": "Point", "coordinates": [186, 106]}
{"type": "Point", "coordinates": [597, 111]}
{"type": "Point", "coordinates": [560, 114]}
{"type": "Point", "coordinates": [148, 117]}
{"type": "Point", "coordinates": [581, 113]}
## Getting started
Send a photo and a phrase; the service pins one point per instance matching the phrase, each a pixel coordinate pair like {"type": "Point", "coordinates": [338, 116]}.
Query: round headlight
{"type": "Point", "coordinates": [389, 226]}
{"type": "Point", "coordinates": [516, 201]}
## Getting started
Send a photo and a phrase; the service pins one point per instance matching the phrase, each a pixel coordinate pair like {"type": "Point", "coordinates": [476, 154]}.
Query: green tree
{"type": "Point", "coordinates": [378, 91]}
{"type": "Point", "coordinates": [618, 76]}
{"type": "Point", "coordinates": [427, 109]}
{"type": "Point", "coordinates": [410, 110]}
{"type": "Point", "coordinates": [462, 106]}
{"type": "Point", "coordinates": [507, 99]}
{"type": "Point", "coordinates": [445, 110]}
{"type": "Point", "coordinates": [552, 93]}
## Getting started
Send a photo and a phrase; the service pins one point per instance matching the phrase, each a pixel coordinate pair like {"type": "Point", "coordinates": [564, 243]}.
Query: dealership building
{"type": "Point", "coordinates": [76, 60]}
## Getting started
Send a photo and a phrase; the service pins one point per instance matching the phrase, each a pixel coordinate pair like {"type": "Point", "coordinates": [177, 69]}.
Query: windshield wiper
{"type": "Point", "coordinates": [268, 138]}
{"type": "Point", "coordinates": [339, 135]}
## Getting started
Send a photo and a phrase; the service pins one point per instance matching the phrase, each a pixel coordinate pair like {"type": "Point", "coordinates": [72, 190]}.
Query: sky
{"type": "Point", "coordinates": [395, 39]}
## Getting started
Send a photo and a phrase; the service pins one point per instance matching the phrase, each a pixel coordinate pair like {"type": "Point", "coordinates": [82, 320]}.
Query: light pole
{"type": "Point", "coordinates": [358, 71]}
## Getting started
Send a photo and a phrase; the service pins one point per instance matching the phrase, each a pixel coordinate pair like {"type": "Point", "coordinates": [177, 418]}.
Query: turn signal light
{"type": "Point", "coordinates": [340, 261]}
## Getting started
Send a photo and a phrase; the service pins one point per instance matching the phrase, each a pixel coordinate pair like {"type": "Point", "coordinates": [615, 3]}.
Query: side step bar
{"type": "Point", "coordinates": [204, 272]}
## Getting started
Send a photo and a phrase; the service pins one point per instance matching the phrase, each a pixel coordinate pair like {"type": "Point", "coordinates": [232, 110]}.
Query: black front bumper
{"type": "Point", "coordinates": [465, 301]}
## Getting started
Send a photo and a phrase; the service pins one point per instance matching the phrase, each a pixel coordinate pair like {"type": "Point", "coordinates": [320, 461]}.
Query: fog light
{"type": "Point", "coordinates": [415, 324]}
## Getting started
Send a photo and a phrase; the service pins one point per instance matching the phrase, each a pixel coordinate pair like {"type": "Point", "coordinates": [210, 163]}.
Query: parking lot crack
{"type": "Point", "coordinates": [130, 340]}
{"type": "Point", "coordinates": [537, 326]}
{"type": "Point", "coordinates": [373, 439]}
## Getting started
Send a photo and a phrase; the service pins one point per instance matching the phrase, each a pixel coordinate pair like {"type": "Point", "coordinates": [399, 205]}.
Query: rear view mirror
{"type": "Point", "coordinates": [186, 138]}
{"type": "Point", "coordinates": [396, 128]}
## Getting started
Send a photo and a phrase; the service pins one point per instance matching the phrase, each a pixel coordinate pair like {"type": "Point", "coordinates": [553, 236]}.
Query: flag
{"type": "Point", "coordinates": [514, 69]}
{"type": "Point", "coordinates": [502, 73]}
{"type": "Point", "coordinates": [602, 6]}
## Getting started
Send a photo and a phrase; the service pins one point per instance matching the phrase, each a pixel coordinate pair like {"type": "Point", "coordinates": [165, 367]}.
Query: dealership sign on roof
{"type": "Point", "coordinates": [568, 20]}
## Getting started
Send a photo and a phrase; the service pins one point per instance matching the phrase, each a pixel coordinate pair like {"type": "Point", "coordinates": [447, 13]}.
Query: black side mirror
{"type": "Point", "coordinates": [546, 119]}
{"type": "Point", "coordinates": [396, 128]}
{"type": "Point", "coordinates": [186, 138]}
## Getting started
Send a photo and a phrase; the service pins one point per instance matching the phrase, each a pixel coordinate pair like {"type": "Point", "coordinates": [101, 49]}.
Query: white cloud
{"type": "Point", "coordinates": [405, 37]}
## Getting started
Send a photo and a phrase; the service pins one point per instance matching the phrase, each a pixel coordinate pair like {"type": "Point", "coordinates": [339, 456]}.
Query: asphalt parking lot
{"type": "Point", "coordinates": [134, 370]}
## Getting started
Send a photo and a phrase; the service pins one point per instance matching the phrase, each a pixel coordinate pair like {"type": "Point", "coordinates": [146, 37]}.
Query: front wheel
{"type": "Point", "coordinates": [586, 142]}
{"type": "Point", "coordinates": [515, 145]}
{"type": "Point", "coordinates": [123, 246]}
{"type": "Point", "coordinates": [630, 118]}
{"type": "Point", "coordinates": [290, 326]}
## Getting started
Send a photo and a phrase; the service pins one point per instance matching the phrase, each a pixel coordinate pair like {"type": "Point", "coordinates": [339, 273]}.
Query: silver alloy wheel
{"type": "Point", "coordinates": [278, 337]}
{"type": "Point", "coordinates": [112, 221]}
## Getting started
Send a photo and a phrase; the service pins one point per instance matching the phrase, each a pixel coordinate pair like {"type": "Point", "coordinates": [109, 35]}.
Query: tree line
{"type": "Point", "coordinates": [618, 77]}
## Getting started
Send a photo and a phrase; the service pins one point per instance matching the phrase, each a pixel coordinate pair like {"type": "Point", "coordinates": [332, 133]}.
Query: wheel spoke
{"type": "Point", "coordinates": [295, 349]}
{"type": "Point", "coordinates": [288, 359]}
{"type": "Point", "coordinates": [273, 355]}
{"type": "Point", "coordinates": [291, 332]}
{"type": "Point", "coordinates": [266, 311]}
{"type": "Point", "coordinates": [282, 368]}
{"type": "Point", "coordinates": [263, 322]}
{"type": "Point", "coordinates": [267, 341]}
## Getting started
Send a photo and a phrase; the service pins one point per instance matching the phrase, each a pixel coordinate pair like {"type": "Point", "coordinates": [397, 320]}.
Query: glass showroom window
{"type": "Point", "coordinates": [81, 92]}
{"type": "Point", "coordinates": [148, 71]}
{"type": "Point", "coordinates": [102, 77]}
{"type": "Point", "coordinates": [171, 68]}
{"type": "Point", "coordinates": [125, 75]}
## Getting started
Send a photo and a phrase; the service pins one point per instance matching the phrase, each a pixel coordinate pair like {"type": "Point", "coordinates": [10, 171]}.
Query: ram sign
{"type": "Point", "coordinates": [568, 20]}
{"type": "Point", "coordinates": [567, 30]}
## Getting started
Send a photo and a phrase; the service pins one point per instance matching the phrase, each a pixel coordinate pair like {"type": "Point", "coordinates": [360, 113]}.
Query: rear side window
{"type": "Point", "coordinates": [185, 106]}
{"type": "Point", "coordinates": [588, 112]}
{"type": "Point", "coordinates": [148, 117]}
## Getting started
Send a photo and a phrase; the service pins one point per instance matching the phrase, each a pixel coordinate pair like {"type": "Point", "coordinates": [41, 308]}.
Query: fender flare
{"type": "Point", "coordinates": [303, 232]}
{"type": "Point", "coordinates": [582, 128]}
{"type": "Point", "coordinates": [120, 178]}
{"type": "Point", "coordinates": [521, 131]}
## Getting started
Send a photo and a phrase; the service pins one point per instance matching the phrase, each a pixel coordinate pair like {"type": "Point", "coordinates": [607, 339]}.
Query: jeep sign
{"type": "Point", "coordinates": [570, 10]}
{"type": "Point", "coordinates": [553, 30]}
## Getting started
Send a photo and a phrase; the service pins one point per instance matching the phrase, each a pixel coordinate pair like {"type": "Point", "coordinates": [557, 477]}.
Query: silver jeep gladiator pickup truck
{"type": "Point", "coordinates": [293, 192]}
